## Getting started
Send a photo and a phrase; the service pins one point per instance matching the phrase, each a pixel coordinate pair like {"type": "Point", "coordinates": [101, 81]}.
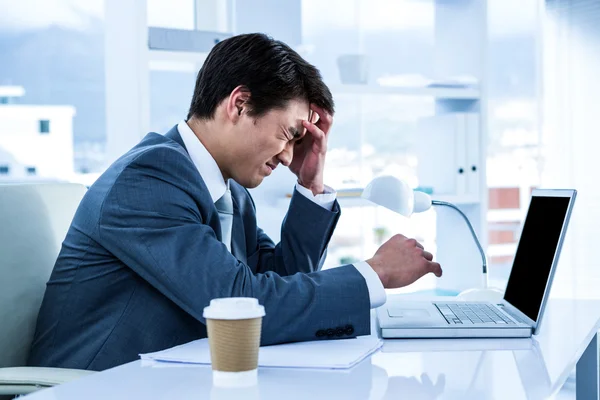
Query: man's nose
{"type": "Point", "coordinates": [287, 155]}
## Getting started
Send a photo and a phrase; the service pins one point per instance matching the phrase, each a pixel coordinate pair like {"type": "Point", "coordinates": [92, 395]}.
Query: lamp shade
{"type": "Point", "coordinates": [395, 194]}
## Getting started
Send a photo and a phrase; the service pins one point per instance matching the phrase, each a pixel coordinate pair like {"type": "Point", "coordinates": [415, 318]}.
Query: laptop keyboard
{"type": "Point", "coordinates": [472, 313]}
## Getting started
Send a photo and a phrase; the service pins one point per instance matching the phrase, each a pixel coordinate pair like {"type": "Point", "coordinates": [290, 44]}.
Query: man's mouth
{"type": "Point", "coordinates": [272, 166]}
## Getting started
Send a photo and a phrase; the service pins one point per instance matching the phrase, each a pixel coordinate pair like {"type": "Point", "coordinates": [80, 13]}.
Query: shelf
{"type": "Point", "coordinates": [458, 93]}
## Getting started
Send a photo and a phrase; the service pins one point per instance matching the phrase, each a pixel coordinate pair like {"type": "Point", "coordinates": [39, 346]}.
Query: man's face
{"type": "Point", "coordinates": [264, 143]}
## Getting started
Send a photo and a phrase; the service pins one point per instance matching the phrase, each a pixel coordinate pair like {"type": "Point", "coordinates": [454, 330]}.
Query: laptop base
{"type": "Point", "coordinates": [439, 333]}
{"type": "Point", "coordinates": [422, 319]}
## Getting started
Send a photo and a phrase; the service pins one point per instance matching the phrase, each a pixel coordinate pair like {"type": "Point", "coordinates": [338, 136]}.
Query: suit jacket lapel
{"type": "Point", "coordinates": [238, 238]}
{"type": "Point", "coordinates": [213, 221]}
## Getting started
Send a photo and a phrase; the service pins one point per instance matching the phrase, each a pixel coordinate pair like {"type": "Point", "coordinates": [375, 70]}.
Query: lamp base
{"type": "Point", "coordinates": [492, 295]}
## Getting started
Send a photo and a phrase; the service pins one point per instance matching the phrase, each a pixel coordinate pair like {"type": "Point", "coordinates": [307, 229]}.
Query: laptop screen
{"type": "Point", "coordinates": [535, 253]}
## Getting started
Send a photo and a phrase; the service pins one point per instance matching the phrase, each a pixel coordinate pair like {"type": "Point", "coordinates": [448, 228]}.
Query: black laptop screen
{"type": "Point", "coordinates": [535, 253]}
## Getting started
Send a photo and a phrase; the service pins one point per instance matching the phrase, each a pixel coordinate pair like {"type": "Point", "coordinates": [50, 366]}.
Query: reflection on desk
{"type": "Point", "coordinates": [405, 369]}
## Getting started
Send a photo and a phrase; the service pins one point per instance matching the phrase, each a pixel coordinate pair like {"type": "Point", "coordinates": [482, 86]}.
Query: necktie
{"type": "Point", "coordinates": [225, 208]}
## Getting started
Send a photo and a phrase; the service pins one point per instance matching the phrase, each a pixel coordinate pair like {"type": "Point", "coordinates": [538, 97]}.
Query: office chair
{"type": "Point", "coordinates": [34, 219]}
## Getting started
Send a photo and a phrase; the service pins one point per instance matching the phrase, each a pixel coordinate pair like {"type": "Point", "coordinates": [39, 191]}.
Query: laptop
{"type": "Point", "coordinates": [520, 312]}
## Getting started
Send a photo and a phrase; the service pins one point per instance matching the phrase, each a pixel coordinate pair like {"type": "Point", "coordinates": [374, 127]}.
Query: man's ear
{"type": "Point", "coordinates": [237, 103]}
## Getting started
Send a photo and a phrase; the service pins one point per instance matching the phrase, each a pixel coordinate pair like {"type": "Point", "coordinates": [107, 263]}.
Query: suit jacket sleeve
{"type": "Point", "coordinates": [153, 224]}
{"type": "Point", "coordinates": [305, 234]}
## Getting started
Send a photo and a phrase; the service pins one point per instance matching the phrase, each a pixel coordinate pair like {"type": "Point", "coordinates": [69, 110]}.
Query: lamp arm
{"type": "Point", "coordinates": [446, 204]}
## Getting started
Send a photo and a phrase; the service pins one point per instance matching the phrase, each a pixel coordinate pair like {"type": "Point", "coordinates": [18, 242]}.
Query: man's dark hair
{"type": "Point", "coordinates": [272, 72]}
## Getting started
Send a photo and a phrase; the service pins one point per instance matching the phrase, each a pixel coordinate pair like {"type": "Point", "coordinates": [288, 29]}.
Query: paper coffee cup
{"type": "Point", "coordinates": [234, 326]}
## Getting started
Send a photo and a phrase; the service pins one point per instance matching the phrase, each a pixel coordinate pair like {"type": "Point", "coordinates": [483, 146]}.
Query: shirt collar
{"type": "Point", "coordinates": [204, 162]}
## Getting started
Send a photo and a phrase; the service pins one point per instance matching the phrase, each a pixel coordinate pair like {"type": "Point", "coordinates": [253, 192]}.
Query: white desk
{"type": "Point", "coordinates": [408, 369]}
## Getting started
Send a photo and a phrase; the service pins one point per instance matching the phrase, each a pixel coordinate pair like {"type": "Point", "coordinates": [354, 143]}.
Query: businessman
{"type": "Point", "coordinates": [170, 225]}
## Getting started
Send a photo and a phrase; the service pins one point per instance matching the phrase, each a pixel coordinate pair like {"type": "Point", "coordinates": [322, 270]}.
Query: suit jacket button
{"type": "Point", "coordinates": [349, 330]}
{"type": "Point", "coordinates": [330, 332]}
{"type": "Point", "coordinates": [339, 332]}
{"type": "Point", "coordinates": [320, 333]}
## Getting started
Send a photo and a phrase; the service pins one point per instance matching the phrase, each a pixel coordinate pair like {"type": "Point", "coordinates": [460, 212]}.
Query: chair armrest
{"type": "Point", "coordinates": [29, 379]}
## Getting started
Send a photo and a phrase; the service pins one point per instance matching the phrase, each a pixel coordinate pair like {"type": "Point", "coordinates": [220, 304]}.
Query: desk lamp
{"type": "Point", "coordinates": [395, 194]}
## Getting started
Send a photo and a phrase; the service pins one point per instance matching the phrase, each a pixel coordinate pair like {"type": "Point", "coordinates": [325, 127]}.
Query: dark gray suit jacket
{"type": "Point", "coordinates": [143, 257]}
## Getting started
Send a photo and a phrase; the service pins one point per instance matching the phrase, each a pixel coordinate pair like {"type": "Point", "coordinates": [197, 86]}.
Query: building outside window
{"type": "Point", "coordinates": [24, 144]}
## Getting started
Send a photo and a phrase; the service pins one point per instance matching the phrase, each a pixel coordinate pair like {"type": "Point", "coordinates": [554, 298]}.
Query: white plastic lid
{"type": "Point", "coordinates": [234, 308]}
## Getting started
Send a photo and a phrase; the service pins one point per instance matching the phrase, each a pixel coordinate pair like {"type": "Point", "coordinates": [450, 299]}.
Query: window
{"type": "Point", "coordinates": [514, 146]}
{"type": "Point", "coordinates": [375, 127]}
{"type": "Point", "coordinates": [44, 126]}
{"type": "Point", "coordinates": [178, 14]}
{"type": "Point", "coordinates": [388, 64]}
{"type": "Point", "coordinates": [170, 96]}
{"type": "Point", "coordinates": [4, 169]}
{"type": "Point", "coordinates": [31, 170]}
{"type": "Point", "coordinates": [56, 117]}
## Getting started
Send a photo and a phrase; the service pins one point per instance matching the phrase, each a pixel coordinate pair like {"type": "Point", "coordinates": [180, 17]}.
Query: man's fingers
{"type": "Point", "coordinates": [435, 268]}
{"type": "Point", "coordinates": [398, 236]}
{"type": "Point", "coordinates": [314, 130]}
{"type": "Point", "coordinates": [428, 256]}
{"type": "Point", "coordinates": [323, 115]}
{"type": "Point", "coordinates": [419, 245]}
{"type": "Point", "coordinates": [325, 119]}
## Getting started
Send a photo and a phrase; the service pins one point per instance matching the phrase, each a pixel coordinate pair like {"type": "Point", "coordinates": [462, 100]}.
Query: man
{"type": "Point", "coordinates": [148, 248]}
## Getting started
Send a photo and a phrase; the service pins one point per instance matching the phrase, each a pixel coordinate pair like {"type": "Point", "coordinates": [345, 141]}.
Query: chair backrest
{"type": "Point", "coordinates": [34, 219]}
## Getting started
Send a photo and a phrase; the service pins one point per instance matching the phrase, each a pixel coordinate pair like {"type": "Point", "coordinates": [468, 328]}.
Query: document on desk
{"type": "Point", "coordinates": [322, 354]}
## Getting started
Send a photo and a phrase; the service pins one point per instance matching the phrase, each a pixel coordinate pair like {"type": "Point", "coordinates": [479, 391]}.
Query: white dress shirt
{"type": "Point", "coordinates": [213, 178]}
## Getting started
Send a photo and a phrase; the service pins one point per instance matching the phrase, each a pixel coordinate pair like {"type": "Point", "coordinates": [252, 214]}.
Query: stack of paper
{"type": "Point", "coordinates": [327, 354]}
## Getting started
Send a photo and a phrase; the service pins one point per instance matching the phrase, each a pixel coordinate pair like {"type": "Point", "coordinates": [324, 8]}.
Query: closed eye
{"type": "Point", "coordinates": [297, 136]}
{"type": "Point", "coordinates": [288, 135]}
{"type": "Point", "coordinates": [295, 133]}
